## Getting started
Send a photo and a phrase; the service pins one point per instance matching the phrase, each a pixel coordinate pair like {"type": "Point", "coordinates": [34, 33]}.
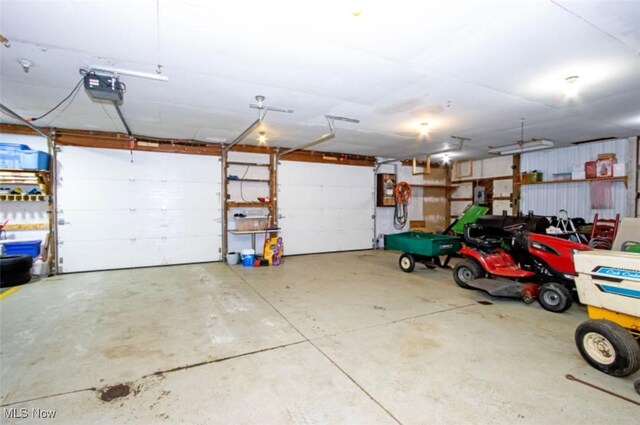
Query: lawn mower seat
{"type": "Point", "coordinates": [484, 237]}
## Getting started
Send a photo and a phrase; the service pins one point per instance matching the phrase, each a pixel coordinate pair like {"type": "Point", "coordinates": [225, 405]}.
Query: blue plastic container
{"type": "Point", "coordinates": [247, 256]}
{"type": "Point", "coordinates": [34, 160]}
{"type": "Point", "coordinates": [31, 248]}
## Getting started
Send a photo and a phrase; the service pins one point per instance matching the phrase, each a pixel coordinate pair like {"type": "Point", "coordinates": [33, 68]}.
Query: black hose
{"type": "Point", "coordinates": [400, 216]}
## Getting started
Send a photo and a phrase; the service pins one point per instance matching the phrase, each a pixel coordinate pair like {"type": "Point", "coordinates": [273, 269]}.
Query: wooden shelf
{"type": "Point", "coordinates": [474, 179]}
{"type": "Point", "coordinates": [248, 180]}
{"type": "Point", "coordinates": [26, 226]}
{"type": "Point", "coordinates": [256, 204]}
{"type": "Point", "coordinates": [250, 164]}
{"type": "Point", "coordinates": [622, 179]}
{"type": "Point", "coordinates": [20, 171]}
{"type": "Point", "coordinates": [434, 186]}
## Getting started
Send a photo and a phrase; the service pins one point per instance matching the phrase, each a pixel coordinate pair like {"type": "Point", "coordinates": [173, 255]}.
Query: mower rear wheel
{"type": "Point", "coordinates": [554, 297]}
{"type": "Point", "coordinates": [608, 347]}
{"type": "Point", "coordinates": [637, 385]}
{"type": "Point", "coordinates": [465, 271]}
{"type": "Point", "coordinates": [407, 262]}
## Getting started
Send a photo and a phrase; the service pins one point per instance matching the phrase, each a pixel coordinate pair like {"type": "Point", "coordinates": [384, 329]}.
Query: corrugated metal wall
{"type": "Point", "coordinates": [575, 197]}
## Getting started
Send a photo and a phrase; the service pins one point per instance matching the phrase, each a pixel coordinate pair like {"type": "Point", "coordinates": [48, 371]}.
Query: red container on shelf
{"type": "Point", "coordinates": [591, 169]}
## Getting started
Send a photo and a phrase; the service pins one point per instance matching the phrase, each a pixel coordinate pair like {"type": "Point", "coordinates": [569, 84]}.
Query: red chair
{"type": "Point", "coordinates": [603, 232]}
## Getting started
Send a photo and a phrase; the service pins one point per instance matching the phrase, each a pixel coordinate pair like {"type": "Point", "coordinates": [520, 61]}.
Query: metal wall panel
{"type": "Point", "coordinates": [575, 197]}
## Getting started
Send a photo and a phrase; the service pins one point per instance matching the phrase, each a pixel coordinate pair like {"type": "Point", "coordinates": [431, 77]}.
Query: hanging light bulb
{"type": "Point", "coordinates": [262, 138]}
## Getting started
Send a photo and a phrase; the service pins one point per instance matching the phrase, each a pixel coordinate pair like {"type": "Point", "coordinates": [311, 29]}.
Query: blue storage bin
{"type": "Point", "coordinates": [13, 147]}
{"type": "Point", "coordinates": [34, 160]}
{"type": "Point", "coordinates": [10, 159]}
{"type": "Point", "coordinates": [31, 248]}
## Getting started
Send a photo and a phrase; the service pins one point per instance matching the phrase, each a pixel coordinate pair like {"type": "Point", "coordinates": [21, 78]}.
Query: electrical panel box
{"type": "Point", "coordinates": [102, 87]}
{"type": "Point", "coordinates": [386, 185]}
{"type": "Point", "coordinates": [479, 195]}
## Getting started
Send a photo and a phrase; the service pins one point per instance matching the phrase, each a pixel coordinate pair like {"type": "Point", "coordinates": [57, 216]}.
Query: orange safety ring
{"type": "Point", "coordinates": [403, 193]}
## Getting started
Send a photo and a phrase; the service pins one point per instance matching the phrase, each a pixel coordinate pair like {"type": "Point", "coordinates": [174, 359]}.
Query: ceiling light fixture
{"type": "Point", "coordinates": [117, 71]}
{"type": "Point", "coordinates": [521, 146]}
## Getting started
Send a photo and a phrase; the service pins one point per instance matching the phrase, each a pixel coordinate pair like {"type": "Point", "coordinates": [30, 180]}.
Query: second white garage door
{"type": "Point", "coordinates": [114, 213]}
{"type": "Point", "coordinates": [325, 207]}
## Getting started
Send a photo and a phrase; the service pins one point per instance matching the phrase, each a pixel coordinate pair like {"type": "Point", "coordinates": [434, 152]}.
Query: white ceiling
{"type": "Point", "coordinates": [469, 68]}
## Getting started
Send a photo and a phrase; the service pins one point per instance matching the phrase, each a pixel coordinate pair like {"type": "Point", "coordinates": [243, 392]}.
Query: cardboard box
{"type": "Point", "coordinates": [607, 155]}
{"type": "Point", "coordinates": [604, 168]}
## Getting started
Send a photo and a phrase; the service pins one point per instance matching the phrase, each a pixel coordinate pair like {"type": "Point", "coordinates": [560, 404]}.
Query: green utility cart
{"type": "Point", "coordinates": [422, 247]}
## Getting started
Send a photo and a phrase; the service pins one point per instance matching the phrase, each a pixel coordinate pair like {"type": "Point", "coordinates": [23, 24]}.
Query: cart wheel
{"type": "Point", "coordinates": [465, 271]}
{"type": "Point", "coordinates": [407, 262]}
{"type": "Point", "coordinates": [554, 297]}
{"type": "Point", "coordinates": [608, 347]}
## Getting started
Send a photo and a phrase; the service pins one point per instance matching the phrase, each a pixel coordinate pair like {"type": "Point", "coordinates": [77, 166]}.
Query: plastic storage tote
{"type": "Point", "coordinates": [31, 248]}
{"type": "Point", "coordinates": [34, 160]}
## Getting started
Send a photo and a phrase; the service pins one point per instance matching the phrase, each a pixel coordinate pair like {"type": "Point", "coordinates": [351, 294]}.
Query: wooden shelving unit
{"type": "Point", "coordinates": [26, 179]}
{"type": "Point", "coordinates": [229, 204]}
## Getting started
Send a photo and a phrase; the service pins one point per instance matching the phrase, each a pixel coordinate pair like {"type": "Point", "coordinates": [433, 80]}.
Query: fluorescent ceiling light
{"type": "Point", "coordinates": [534, 145]}
{"type": "Point", "coordinates": [117, 71]}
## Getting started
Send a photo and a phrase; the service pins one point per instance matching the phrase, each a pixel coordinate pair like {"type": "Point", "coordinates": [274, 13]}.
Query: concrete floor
{"type": "Point", "coordinates": [334, 338]}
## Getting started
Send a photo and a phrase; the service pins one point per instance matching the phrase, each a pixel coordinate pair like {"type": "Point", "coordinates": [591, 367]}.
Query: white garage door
{"type": "Point", "coordinates": [325, 207]}
{"type": "Point", "coordinates": [114, 213]}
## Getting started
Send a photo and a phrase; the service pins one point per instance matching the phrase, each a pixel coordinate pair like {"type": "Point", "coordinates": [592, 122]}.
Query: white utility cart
{"type": "Point", "coordinates": [608, 282]}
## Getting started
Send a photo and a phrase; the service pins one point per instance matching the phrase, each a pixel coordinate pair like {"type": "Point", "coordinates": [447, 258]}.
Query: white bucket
{"type": "Point", "coordinates": [232, 258]}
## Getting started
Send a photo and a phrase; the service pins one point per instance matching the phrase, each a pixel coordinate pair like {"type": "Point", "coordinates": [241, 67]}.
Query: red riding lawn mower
{"type": "Point", "coordinates": [514, 263]}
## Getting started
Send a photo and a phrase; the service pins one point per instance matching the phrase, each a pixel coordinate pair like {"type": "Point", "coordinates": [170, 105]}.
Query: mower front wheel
{"type": "Point", "coordinates": [608, 347]}
{"type": "Point", "coordinates": [407, 262]}
{"type": "Point", "coordinates": [554, 297]}
{"type": "Point", "coordinates": [465, 271]}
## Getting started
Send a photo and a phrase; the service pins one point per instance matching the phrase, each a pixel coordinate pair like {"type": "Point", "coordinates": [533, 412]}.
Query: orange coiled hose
{"type": "Point", "coordinates": [403, 198]}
